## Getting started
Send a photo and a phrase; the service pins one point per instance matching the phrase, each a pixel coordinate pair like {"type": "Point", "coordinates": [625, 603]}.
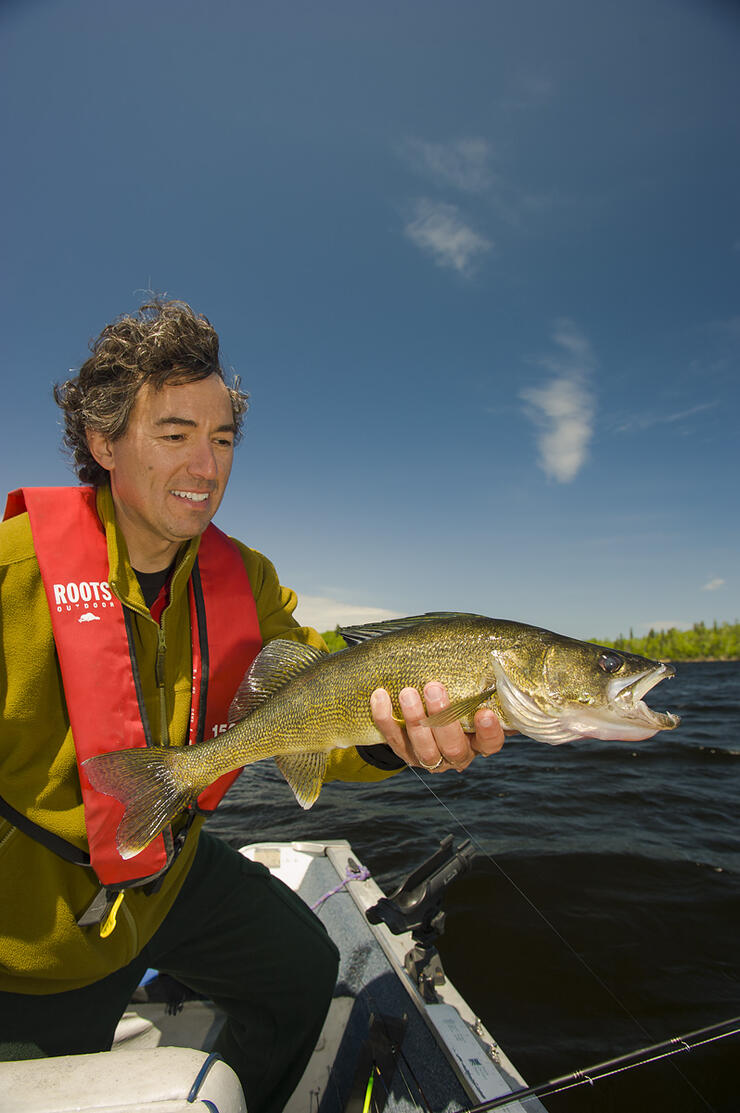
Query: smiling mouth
{"type": "Point", "coordinates": [192, 496]}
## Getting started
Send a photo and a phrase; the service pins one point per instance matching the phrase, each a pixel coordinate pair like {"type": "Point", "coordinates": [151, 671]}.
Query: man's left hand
{"type": "Point", "coordinates": [439, 749]}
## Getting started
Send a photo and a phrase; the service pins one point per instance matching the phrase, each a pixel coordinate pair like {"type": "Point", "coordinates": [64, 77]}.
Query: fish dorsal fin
{"type": "Point", "coordinates": [460, 709]}
{"type": "Point", "coordinates": [354, 634]}
{"type": "Point", "coordinates": [274, 666]}
{"type": "Point", "coordinates": [305, 775]}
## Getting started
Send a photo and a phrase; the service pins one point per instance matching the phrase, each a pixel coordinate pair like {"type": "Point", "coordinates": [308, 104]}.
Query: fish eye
{"type": "Point", "coordinates": [610, 662]}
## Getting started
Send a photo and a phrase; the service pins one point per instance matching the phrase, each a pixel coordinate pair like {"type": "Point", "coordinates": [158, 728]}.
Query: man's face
{"type": "Point", "coordinates": [169, 470]}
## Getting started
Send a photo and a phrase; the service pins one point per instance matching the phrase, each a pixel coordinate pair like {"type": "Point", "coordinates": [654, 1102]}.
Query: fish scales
{"type": "Point", "coordinates": [328, 704]}
{"type": "Point", "coordinates": [297, 704]}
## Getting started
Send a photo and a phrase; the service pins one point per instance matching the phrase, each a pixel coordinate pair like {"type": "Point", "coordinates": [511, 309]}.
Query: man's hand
{"type": "Point", "coordinates": [445, 747]}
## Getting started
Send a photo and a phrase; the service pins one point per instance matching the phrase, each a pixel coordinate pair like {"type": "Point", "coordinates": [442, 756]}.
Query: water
{"type": "Point", "coordinates": [603, 912]}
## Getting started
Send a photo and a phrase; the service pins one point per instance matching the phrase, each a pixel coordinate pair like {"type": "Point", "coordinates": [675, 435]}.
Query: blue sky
{"type": "Point", "coordinates": [477, 263]}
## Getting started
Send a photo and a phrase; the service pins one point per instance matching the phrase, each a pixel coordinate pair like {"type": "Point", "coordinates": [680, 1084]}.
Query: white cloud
{"type": "Point", "coordinates": [713, 585]}
{"type": "Point", "coordinates": [564, 407]}
{"type": "Point", "coordinates": [640, 422]}
{"type": "Point", "coordinates": [529, 89]}
{"type": "Point", "coordinates": [465, 165]}
{"type": "Point", "coordinates": [462, 164]}
{"type": "Point", "coordinates": [324, 614]}
{"type": "Point", "coordinates": [439, 230]}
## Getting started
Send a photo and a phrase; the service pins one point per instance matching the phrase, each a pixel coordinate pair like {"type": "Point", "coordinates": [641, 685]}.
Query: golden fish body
{"type": "Point", "coordinates": [296, 704]}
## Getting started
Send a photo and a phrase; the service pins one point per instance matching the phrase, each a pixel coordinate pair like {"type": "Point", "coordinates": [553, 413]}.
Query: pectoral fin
{"type": "Point", "coordinates": [460, 709]}
{"type": "Point", "coordinates": [305, 775]}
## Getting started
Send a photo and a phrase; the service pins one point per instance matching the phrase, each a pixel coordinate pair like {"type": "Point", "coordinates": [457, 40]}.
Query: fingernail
{"type": "Point", "coordinates": [376, 702]}
{"type": "Point", "coordinates": [433, 690]}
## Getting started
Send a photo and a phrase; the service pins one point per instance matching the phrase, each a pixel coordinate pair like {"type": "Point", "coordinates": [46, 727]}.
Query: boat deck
{"type": "Point", "coordinates": [438, 1055]}
{"type": "Point", "coordinates": [383, 1049]}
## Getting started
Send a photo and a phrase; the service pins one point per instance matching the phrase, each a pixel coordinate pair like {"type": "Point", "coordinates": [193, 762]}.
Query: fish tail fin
{"type": "Point", "coordinates": [151, 784]}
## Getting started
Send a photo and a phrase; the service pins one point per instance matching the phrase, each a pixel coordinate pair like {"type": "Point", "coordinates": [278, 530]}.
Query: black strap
{"type": "Point", "coordinates": [129, 624]}
{"type": "Point", "coordinates": [60, 846]}
{"type": "Point", "coordinates": [169, 846]}
{"type": "Point", "coordinates": [200, 614]}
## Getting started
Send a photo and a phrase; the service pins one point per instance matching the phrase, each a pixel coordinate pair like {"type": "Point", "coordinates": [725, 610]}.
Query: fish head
{"type": "Point", "coordinates": [558, 689]}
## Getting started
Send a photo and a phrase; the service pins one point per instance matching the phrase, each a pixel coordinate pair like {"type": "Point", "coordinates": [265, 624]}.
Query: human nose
{"type": "Point", "coordinates": [202, 462]}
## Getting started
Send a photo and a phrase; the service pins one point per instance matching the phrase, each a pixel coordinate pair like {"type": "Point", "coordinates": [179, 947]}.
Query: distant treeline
{"type": "Point", "coordinates": [719, 642]}
{"type": "Point", "coordinates": [334, 640]}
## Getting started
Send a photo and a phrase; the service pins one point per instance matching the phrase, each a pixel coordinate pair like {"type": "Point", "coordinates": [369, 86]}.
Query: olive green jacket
{"type": "Point", "coordinates": [42, 949]}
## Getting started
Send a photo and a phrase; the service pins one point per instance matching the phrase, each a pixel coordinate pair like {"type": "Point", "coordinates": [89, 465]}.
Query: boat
{"type": "Point", "coordinates": [398, 1037]}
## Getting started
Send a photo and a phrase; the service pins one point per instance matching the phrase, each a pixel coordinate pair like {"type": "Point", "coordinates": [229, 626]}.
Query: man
{"type": "Point", "coordinates": [128, 619]}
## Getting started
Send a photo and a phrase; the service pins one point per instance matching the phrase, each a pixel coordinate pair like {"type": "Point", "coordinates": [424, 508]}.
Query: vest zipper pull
{"type": "Point", "coordinates": [159, 663]}
{"type": "Point", "coordinates": [164, 739]}
{"type": "Point", "coordinates": [109, 923]}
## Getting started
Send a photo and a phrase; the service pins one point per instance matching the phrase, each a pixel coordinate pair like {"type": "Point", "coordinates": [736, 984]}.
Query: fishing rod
{"type": "Point", "coordinates": [689, 1041]}
{"type": "Point", "coordinates": [675, 1045]}
{"type": "Point", "coordinates": [416, 907]}
{"type": "Point", "coordinates": [497, 865]}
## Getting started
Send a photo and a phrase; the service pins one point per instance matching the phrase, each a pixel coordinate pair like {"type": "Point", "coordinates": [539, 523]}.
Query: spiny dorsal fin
{"type": "Point", "coordinates": [274, 666]}
{"type": "Point", "coordinates": [354, 634]}
{"type": "Point", "coordinates": [305, 775]}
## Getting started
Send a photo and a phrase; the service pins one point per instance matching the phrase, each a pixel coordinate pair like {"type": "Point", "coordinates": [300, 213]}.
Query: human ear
{"type": "Point", "coordinates": [100, 447]}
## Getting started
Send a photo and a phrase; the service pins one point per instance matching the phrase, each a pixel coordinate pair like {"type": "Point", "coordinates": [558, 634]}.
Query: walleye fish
{"type": "Point", "coordinates": [297, 703]}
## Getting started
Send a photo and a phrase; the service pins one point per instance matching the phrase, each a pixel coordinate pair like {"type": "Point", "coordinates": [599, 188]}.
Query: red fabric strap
{"type": "Point", "coordinates": [92, 644]}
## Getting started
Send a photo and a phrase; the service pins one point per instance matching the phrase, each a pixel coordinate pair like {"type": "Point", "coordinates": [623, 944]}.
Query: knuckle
{"type": "Point", "coordinates": [456, 750]}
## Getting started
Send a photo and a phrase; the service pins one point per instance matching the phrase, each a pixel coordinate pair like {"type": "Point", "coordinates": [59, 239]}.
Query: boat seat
{"type": "Point", "coordinates": [156, 1080]}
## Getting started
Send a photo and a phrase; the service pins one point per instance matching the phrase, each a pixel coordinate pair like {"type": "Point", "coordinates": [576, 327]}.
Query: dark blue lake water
{"type": "Point", "coordinates": [603, 911]}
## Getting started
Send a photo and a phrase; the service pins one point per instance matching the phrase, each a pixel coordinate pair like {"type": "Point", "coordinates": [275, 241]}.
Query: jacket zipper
{"type": "Point", "coordinates": [164, 737]}
{"type": "Point", "coordinates": [159, 674]}
{"type": "Point", "coordinates": [6, 835]}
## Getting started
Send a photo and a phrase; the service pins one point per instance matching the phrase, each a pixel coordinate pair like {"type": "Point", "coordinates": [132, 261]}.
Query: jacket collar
{"type": "Point", "coordinates": [121, 575]}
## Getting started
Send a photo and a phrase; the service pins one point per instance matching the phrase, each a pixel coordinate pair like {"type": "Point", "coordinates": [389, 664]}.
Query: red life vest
{"type": "Point", "coordinates": [99, 671]}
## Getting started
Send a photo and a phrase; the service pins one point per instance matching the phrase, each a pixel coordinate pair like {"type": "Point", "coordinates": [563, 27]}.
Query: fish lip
{"type": "Point", "coordinates": [627, 695]}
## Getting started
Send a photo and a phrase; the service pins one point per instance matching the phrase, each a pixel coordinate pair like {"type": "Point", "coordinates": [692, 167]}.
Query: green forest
{"type": "Point", "coordinates": [718, 642]}
{"type": "Point", "coordinates": [334, 640]}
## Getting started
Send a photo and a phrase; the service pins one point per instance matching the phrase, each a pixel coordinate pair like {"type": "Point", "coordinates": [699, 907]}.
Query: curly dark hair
{"type": "Point", "coordinates": [163, 342]}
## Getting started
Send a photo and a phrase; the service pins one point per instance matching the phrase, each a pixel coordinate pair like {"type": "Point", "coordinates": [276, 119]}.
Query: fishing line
{"type": "Point", "coordinates": [549, 924]}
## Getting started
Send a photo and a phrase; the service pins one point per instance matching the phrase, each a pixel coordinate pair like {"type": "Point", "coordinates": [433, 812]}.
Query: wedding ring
{"type": "Point", "coordinates": [430, 768]}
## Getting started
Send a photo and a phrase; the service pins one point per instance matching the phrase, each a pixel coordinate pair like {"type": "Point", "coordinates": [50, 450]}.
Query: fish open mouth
{"type": "Point", "coordinates": [626, 696]}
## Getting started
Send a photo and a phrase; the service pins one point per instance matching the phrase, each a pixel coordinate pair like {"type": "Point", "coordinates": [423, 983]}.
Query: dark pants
{"type": "Point", "coordinates": [234, 934]}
